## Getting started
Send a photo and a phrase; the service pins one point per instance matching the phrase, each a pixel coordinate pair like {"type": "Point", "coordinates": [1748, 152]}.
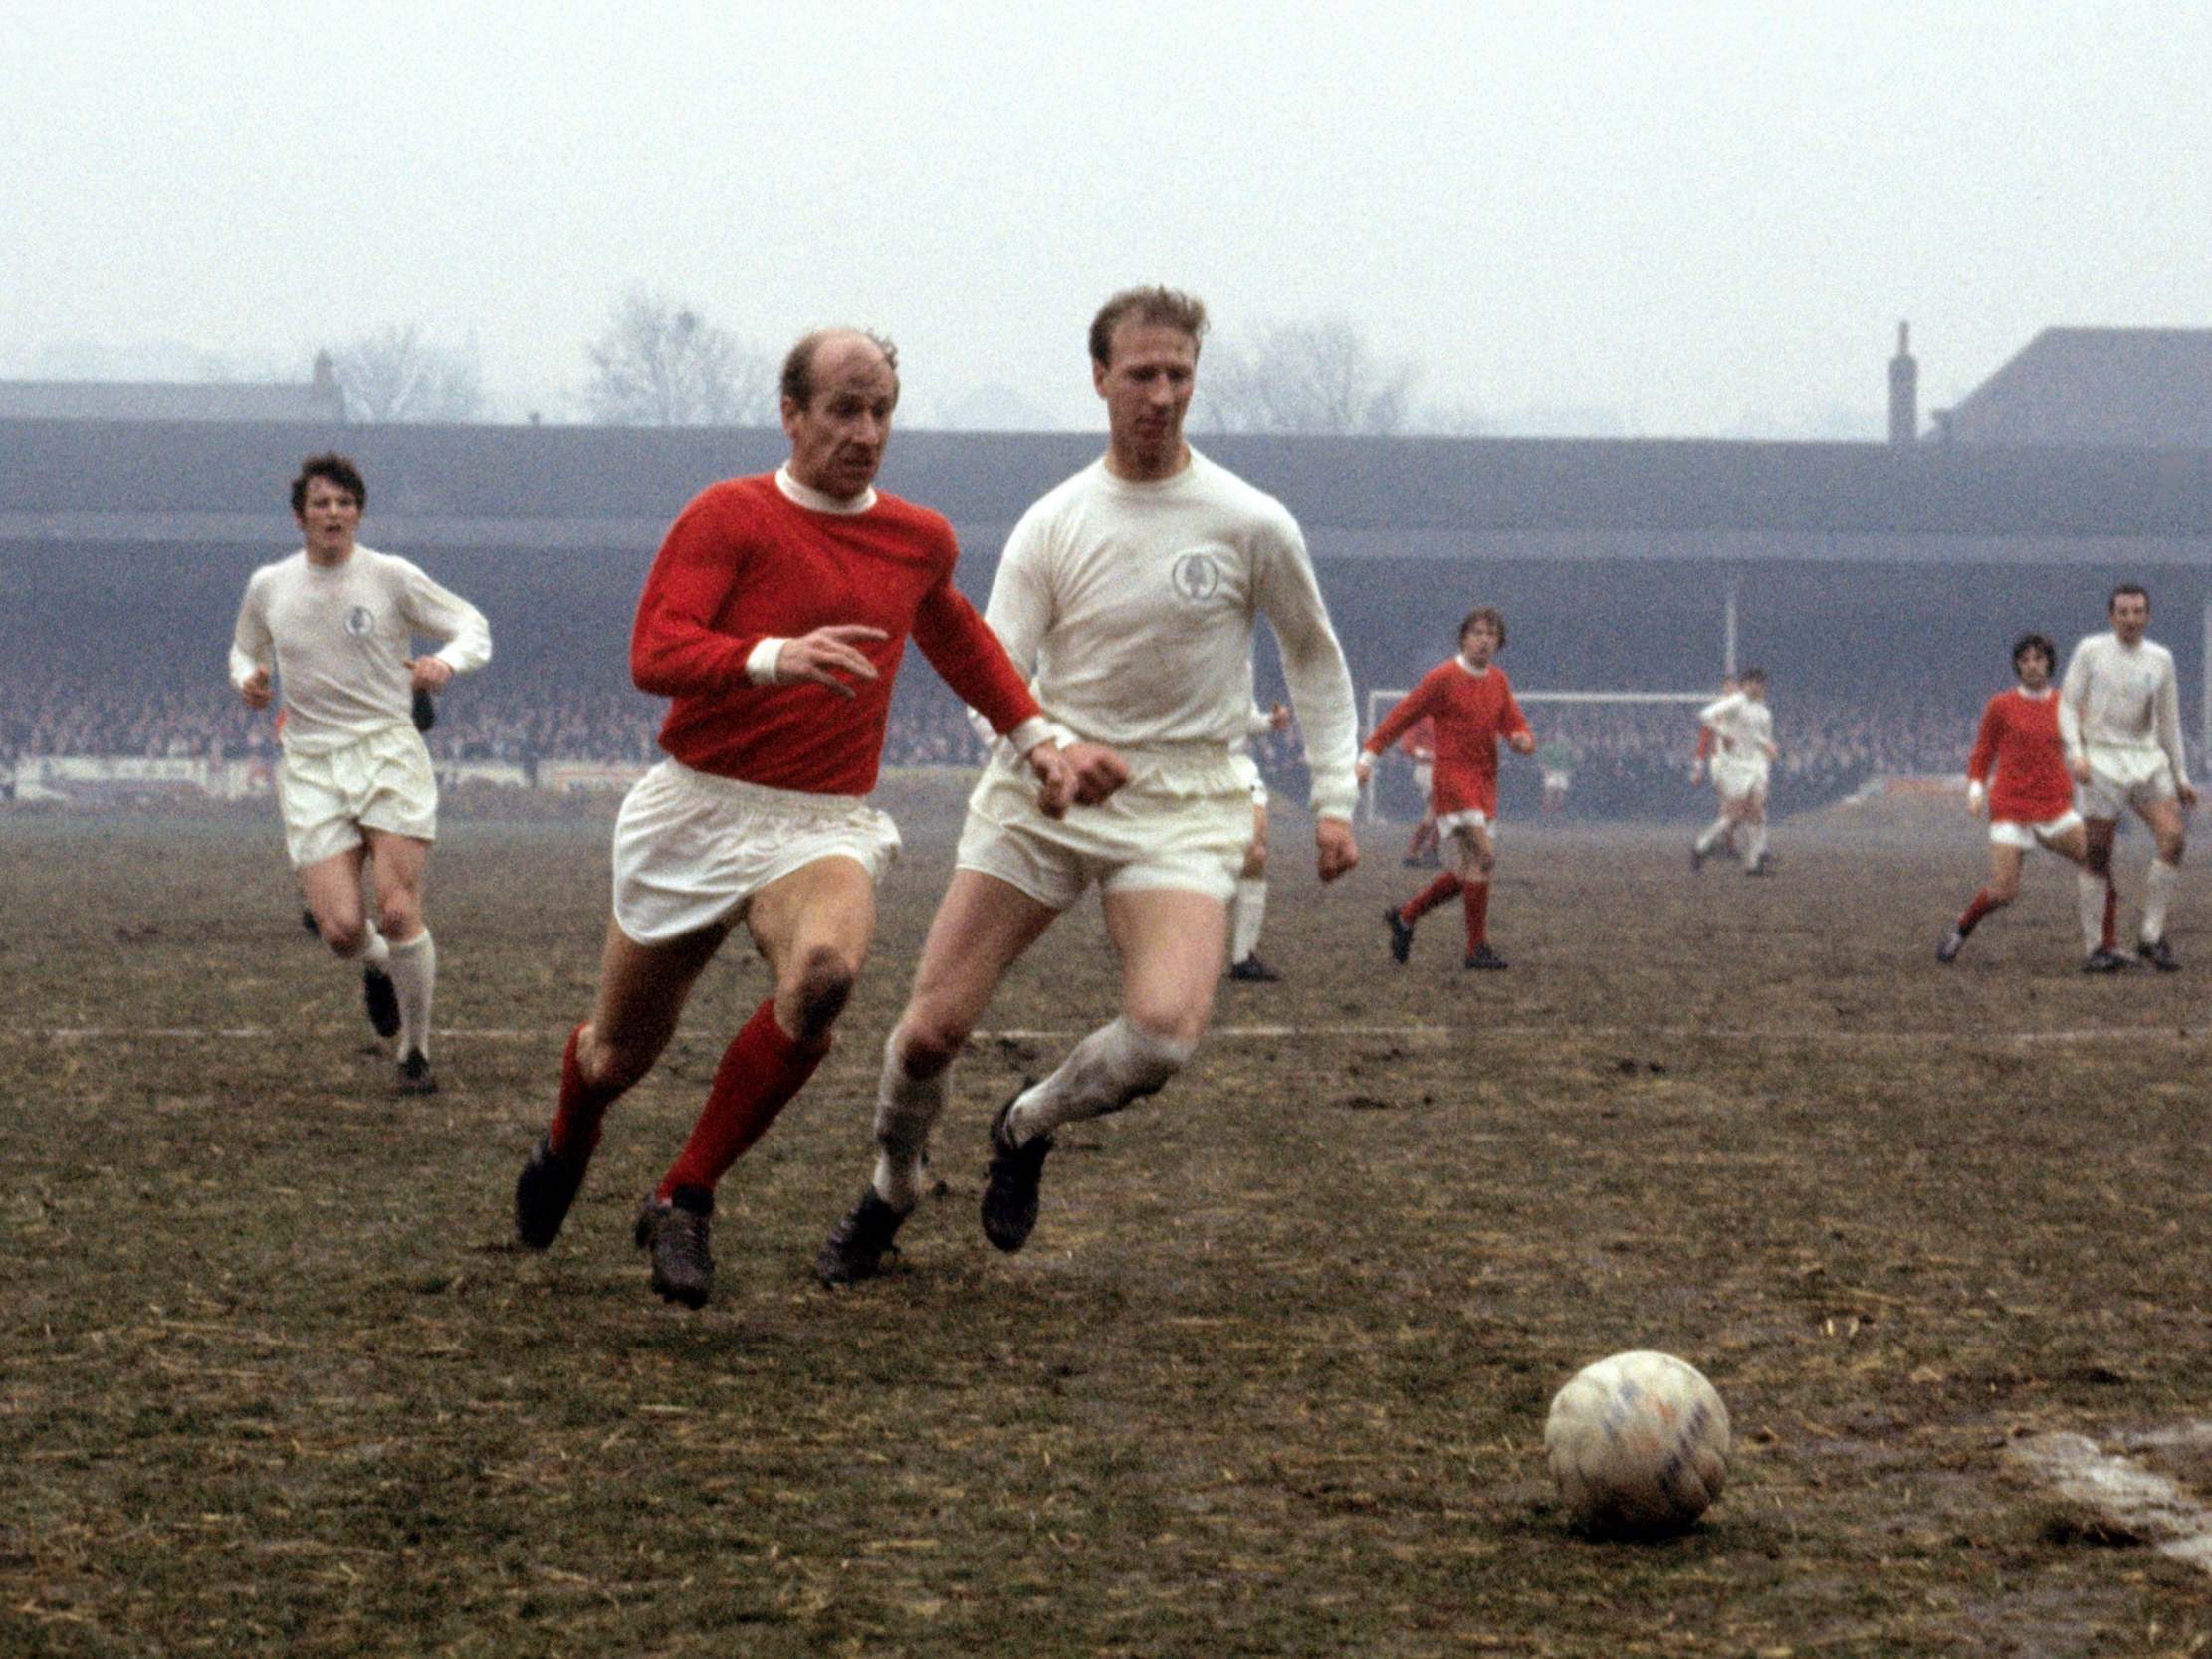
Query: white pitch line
{"type": "Point", "coordinates": [1281, 1033]}
{"type": "Point", "coordinates": [2131, 1495]}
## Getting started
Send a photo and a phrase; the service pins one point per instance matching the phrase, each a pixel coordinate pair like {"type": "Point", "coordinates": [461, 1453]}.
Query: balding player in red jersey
{"type": "Point", "coordinates": [774, 619]}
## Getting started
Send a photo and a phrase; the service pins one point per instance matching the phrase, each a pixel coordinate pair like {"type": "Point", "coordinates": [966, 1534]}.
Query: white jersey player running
{"type": "Point", "coordinates": [336, 621]}
{"type": "Point", "coordinates": [1131, 592]}
{"type": "Point", "coordinates": [2120, 722]}
{"type": "Point", "coordinates": [1249, 910]}
{"type": "Point", "coordinates": [1743, 759]}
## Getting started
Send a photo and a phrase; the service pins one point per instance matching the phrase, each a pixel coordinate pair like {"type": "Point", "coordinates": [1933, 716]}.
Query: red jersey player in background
{"type": "Point", "coordinates": [1471, 703]}
{"type": "Point", "coordinates": [774, 619]}
{"type": "Point", "coordinates": [2032, 802]}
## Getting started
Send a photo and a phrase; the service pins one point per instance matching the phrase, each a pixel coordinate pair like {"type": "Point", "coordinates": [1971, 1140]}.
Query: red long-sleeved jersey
{"type": "Point", "coordinates": [1471, 713]}
{"type": "Point", "coordinates": [743, 563]}
{"type": "Point", "coordinates": [2020, 736]}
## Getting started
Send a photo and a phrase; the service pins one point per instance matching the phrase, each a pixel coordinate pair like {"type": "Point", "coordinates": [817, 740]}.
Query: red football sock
{"type": "Point", "coordinates": [2111, 913]}
{"type": "Point", "coordinates": [575, 1120]}
{"type": "Point", "coordinates": [1476, 899]}
{"type": "Point", "coordinates": [1983, 904]}
{"type": "Point", "coordinates": [761, 1069]}
{"type": "Point", "coordinates": [1428, 898]}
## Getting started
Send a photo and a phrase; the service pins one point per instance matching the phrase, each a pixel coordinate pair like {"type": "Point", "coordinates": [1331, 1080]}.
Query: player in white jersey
{"type": "Point", "coordinates": [1130, 593]}
{"type": "Point", "coordinates": [2120, 722]}
{"type": "Point", "coordinates": [1249, 910]}
{"type": "Point", "coordinates": [1743, 759]}
{"type": "Point", "coordinates": [337, 621]}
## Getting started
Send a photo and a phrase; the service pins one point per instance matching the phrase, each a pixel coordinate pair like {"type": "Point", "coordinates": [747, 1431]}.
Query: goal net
{"type": "Point", "coordinates": [1390, 792]}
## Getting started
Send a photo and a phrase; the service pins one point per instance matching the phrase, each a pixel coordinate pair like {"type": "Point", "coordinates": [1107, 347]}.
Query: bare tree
{"type": "Point", "coordinates": [1317, 376]}
{"type": "Point", "coordinates": [660, 363]}
{"type": "Point", "coordinates": [398, 376]}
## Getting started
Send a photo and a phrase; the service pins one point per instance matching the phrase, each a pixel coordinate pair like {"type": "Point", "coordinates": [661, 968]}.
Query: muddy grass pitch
{"type": "Point", "coordinates": [1270, 1378]}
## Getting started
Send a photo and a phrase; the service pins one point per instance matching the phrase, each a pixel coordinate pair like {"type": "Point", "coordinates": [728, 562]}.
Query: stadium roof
{"type": "Point", "coordinates": [592, 488]}
{"type": "Point", "coordinates": [169, 400]}
{"type": "Point", "coordinates": [2146, 388]}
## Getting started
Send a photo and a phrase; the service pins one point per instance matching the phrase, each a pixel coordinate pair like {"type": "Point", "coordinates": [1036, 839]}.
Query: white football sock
{"type": "Point", "coordinates": [2088, 902]}
{"type": "Point", "coordinates": [374, 952]}
{"type": "Point", "coordinates": [1245, 917]}
{"type": "Point", "coordinates": [2158, 885]}
{"type": "Point", "coordinates": [414, 976]}
{"type": "Point", "coordinates": [906, 1108]}
{"type": "Point", "coordinates": [1714, 833]}
{"type": "Point", "coordinates": [1114, 1065]}
{"type": "Point", "coordinates": [1758, 848]}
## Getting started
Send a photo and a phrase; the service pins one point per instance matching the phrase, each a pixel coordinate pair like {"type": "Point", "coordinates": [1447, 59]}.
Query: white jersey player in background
{"type": "Point", "coordinates": [337, 622]}
{"type": "Point", "coordinates": [1130, 593]}
{"type": "Point", "coordinates": [1743, 759]}
{"type": "Point", "coordinates": [2120, 722]}
{"type": "Point", "coordinates": [1249, 910]}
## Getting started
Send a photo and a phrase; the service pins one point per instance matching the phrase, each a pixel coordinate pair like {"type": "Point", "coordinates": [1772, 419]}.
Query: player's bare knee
{"type": "Point", "coordinates": [399, 919]}
{"type": "Point", "coordinates": [926, 1046]}
{"type": "Point", "coordinates": [819, 986]}
{"type": "Point", "coordinates": [344, 938]}
{"type": "Point", "coordinates": [1158, 1018]}
{"type": "Point", "coordinates": [611, 1063]}
{"type": "Point", "coordinates": [1255, 863]}
{"type": "Point", "coordinates": [2003, 891]}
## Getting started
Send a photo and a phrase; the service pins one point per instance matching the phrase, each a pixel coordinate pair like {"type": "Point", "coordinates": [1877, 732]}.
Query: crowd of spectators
{"type": "Point", "coordinates": [1623, 759]}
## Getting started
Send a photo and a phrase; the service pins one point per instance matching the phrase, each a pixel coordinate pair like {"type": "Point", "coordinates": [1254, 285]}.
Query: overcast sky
{"type": "Point", "coordinates": [1663, 219]}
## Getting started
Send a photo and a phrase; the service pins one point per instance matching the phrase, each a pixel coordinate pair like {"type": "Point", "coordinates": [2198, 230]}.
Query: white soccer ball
{"type": "Point", "coordinates": [1638, 1443]}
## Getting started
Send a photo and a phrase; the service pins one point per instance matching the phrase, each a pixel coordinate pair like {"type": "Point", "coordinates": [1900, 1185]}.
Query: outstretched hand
{"type": "Point", "coordinates": [1522, 743]}
{"type": "Point", "coordinates": [829, 656]}
{"type": "Point", "coordinates": [1337, 850]}
{"type": "Point", "coordinates": [256, 689]}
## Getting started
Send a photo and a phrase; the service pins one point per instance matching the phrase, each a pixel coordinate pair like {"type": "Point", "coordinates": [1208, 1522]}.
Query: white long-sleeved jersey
{"type": "Point", "coordinates": [340, 638]}
{"type": "Point", "coordinates": [2126, 702]}
{"type": "Point", "coordinates": [1132, 607]}
{"type": "Point", "coordinates": [1744, 722]}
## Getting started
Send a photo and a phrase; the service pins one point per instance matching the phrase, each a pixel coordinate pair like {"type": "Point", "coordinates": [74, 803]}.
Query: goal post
{"type": "Point", "coordinates": [1381, 699]}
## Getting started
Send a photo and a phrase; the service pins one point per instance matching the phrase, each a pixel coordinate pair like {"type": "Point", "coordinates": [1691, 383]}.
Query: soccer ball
{"type": "Point", "coordinates": [1638, 1443]}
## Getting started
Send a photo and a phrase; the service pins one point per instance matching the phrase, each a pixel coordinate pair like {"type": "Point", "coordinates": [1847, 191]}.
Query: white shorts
{"type": "Point", "coordinates": [2017, 832]}
{"type": "Point", "coordinates": [1736, 779]}
{"type": "Point", "coordinates": [1473, 818]}
{"type": "Point", "coordinates": [382, 782]}
{"type": "Point", "coordinates": [1181, 822]}
{"type": "Point", "coordinates": [2124, 779]}
{"type": "Point", "coordinates": [690, 849]}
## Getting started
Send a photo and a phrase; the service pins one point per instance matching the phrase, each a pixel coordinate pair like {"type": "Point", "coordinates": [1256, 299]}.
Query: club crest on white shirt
{"type": "Point", "coordinates": [360, 622]}
{"type": "Point", "coordinates": [1196, 575]}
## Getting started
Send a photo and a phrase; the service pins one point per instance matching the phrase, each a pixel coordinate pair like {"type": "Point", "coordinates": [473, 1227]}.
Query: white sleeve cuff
{"type": "Point", "coordinates": [760, 662]}
{"type": "Point", "coordinates": [1974, 791]}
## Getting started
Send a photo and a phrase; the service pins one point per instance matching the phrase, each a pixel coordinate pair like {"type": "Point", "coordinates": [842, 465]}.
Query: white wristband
{"type": "Point", "coordinates": [760, 662]}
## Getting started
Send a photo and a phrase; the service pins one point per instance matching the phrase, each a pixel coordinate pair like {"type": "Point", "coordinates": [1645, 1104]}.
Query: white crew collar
{"type": "Point", "coordinates": [1467, 666]}
{"type": "Point", "coordinates": [807, 496]}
